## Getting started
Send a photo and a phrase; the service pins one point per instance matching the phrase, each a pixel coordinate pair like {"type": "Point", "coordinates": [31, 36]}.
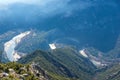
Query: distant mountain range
{"type": "Point", "coordinates": [95, 24]}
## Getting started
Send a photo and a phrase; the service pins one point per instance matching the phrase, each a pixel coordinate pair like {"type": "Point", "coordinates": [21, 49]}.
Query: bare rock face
{"type": "Point", "coordinates": [9, 47]}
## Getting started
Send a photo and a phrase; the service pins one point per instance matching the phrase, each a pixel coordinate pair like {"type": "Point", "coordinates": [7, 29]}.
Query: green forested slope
{"type": "Point", "coordinates": [62, 63]}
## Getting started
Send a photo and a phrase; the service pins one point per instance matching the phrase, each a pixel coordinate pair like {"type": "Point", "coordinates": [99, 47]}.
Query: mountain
{"type": "Point", "coordinates": [59, 64]}
{"type": "Point", "coordinates": [93, 23]}
{"type": "Point", "coordinates": [88, 23]}
{"type": "Point", "coordinates": [112, 73]}
{"type": "Point", "coordinates": [43, 39]}
{"type": "Point", "coordinates": [65, 39]}
{"type": "Point", "coordinates": [62, 63]}
{"type": "Point", "coordinates": [68, 64]}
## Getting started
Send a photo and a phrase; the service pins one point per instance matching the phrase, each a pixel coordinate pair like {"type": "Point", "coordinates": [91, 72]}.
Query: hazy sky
{"type": "Point", "coordinates": [10, 2]}
{"type": "Point", "coordinates": [44, 6]}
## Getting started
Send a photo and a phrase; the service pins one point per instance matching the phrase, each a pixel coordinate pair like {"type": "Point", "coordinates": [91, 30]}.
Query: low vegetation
{"type": "Point", "coordinates": [17, 71]}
